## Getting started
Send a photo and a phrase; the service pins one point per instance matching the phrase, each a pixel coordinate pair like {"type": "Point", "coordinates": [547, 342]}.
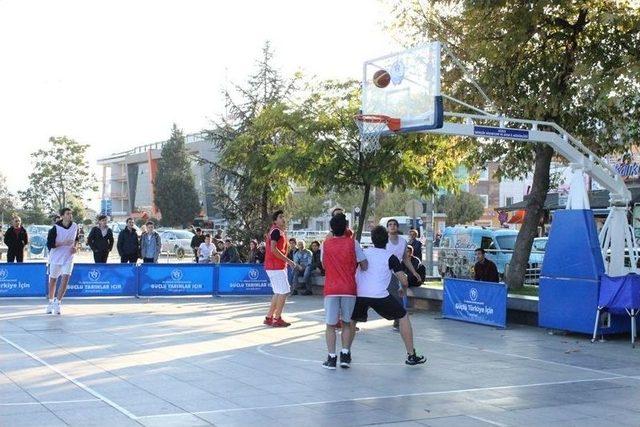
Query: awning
{"type": "Point", "coordinates": [517, 218]}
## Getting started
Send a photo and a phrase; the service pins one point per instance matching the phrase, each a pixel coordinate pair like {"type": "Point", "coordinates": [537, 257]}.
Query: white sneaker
{"type": "Point", "coordinates": [57, 307]}
{"type": "Point", "coordinates": [49, 309]}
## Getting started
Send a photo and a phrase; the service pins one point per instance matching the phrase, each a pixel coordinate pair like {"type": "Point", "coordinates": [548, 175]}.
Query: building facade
{"type": "Point", "coordinates": [127, 178]}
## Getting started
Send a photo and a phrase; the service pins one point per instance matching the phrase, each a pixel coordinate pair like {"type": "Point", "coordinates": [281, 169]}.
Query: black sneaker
{"type": "Point", "coordinates": [330, 363]}
{"type": "Point", "coordinates": [345, 360]}
{"type": "Point", "coordinates": [414, 359]}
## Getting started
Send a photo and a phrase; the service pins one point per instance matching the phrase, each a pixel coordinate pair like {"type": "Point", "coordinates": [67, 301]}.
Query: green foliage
{"type": "Point", "coordinates": [174, 188]}
{"type": "Point", "coordinates": [305, 206]}
{"type": "Point", "coordinates": [330, 151]}
{"type": "Point", "coordinates": [60, 173]}
{"type": "Point", "coordinates": [461, 208]}
{"type": "Point", "coordinates": [571, 62]}
{"type": "Point", "coordinates": [260, 123]}
{"type": "Point", "coordinates": [7, 204]}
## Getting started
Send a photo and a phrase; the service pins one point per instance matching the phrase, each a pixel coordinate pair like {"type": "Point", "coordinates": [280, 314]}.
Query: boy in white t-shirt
{"type": "Point", "coordinates": [61, 241]}
{"type": "Point", "coordinates": [206, 250]}
{"type": "Point", "coordinates": [372, 291]}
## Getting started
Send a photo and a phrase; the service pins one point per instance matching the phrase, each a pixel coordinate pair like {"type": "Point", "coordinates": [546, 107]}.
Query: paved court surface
{"type": "Point", "coordinates": [188, 362]}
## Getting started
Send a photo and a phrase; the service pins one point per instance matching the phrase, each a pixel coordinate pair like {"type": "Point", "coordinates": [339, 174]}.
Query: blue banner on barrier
{"type": "Point", "coordinates": [175, 279]}
{"type": "Point", "coordinates": [103, 280]}
{"type": "Point", "coordinates": [243, 279]}
{"type": "Point", "coordinates": [474, 301]}
{"type": "Point", "coordinates": [23, 280]}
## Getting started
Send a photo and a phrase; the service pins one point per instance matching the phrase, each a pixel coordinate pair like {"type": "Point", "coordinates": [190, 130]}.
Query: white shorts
{"type": "Point", "coordinates": [57, 270]}
{"type": "Point", "coordinates": [279, 281]}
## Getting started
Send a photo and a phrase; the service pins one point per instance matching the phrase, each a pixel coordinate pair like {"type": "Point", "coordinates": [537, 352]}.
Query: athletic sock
{"type": "Point", "coordinates": [345, 351]}
{"type": "Point", "coordinates": [332, 355]}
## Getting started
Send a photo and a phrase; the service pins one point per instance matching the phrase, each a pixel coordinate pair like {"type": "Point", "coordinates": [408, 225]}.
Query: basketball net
{"type": "Point", "coordinates": [371, 127]}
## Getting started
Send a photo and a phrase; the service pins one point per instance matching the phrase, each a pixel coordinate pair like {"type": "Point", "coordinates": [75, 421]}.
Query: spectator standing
{"type": "Point", "coordinates": [293, 247]}
{"type": "Point", "coordinates": [128, 243]}
{"type": "Point", "coordinates": [230, 253]}
{"type": "Point", "coordinates": [100, 240]}
{"type": "Point", "coordinates": [150, 244]}
{"type": "Point", "coordinates": [415, 243]}
{"type": "Point", "coordinates": [16, 239]}
{"type": "Point", "coordinates": [316, 262]}
{"type": "Point", "coordinates": [303, 259]}
{"type": "Point", "coordinates": [206, 250]}
{"type": "Point", "coordinates": [196, 241]}
{"type": "Point", "coordinates": [261, 252]}
{"type": "Point", "coordinates": [484, 269]}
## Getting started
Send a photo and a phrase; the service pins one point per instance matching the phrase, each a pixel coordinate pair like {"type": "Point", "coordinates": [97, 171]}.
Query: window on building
{"type": "Point", "coordinates": [485, 200]}
{"type": "Point", "coordinates": [484, 175]}
{"type": "Point", "coordinates": [508, 201]}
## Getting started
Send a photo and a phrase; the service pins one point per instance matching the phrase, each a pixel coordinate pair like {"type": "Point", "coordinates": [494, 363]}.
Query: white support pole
{"type": "Point", "coordinates": [615, 241]}
{"type": "Point", "coordinates": [578, 198]}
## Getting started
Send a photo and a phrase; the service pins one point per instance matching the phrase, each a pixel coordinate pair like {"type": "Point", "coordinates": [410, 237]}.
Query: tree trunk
{"type": "Point", "coordinates": [535, 210]}
{"type": "Point", "coordinates": [363, 211]}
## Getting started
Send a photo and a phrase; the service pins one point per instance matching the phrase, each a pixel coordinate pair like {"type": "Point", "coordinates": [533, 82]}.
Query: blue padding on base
{"type": "Point", "coordinates": [573, 249]}
{"type": "Point", "coordinates": [571, 305]}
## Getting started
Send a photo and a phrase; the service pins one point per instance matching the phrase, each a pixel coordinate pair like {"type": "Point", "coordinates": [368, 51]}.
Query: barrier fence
{"type": "Point", "coordinates": [128, 280]}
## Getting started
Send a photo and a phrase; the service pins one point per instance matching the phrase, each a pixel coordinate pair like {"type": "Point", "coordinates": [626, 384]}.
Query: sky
{"type": "Point", "coordinates": [116, 74]}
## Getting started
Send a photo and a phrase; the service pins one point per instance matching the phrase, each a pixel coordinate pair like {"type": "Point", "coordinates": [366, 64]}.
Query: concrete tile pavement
{"type": "Point", "coordinates": [206, 361]}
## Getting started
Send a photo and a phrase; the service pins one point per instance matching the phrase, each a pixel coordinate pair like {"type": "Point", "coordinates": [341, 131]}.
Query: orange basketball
{"type": "Point", "coordinates": [381, 78]}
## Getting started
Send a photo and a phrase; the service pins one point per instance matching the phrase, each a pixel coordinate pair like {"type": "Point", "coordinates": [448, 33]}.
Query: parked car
{"type": "Point", "coordinates": [176, 242]}
{"type": "Point", "coordinates": [456, 254]}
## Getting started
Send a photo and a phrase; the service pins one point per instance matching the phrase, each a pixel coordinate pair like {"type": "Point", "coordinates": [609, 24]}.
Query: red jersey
{"type": "Point", "coordinates": [339, 261]}
{"type": "Point", "coordinates": [270, 260]}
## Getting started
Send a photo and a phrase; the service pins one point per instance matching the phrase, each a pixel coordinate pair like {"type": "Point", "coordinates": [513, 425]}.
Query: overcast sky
{"type": "Point", "coordinates": [116, 74]}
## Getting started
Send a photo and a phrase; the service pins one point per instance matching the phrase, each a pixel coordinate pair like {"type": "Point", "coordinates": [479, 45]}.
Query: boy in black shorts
{"type": "Point", "coordinates": [372, 291]}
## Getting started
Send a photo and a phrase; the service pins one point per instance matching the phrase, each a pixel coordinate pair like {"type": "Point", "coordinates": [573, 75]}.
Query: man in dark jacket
{"type": "Point", "coordinates": [485, 269]}
{"type": "Point", "coordinates": [416, 244]}
{"type": "Point", "coordinates": [418, 267]}
{"type": "Point", "coordinates": [16, 239]}
{"type": "Point", "coordinates": [128, 243]}
{"type": "Point", "coordinates": [196, 241]}
{"type": "Point", "coordinates": [100, 240]}
{"type": "Point", "coordinates": [230, 253]}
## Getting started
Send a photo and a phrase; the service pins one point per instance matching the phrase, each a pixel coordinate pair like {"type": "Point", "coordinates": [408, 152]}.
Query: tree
{"type": "Point", "coordinates": [7, 205]}
{"type": "Point", "coordinates": [246, 184]}
{"type": "Point", "coordinates": [59, 173]}
{"type": "Point", "coordinates": [174, 187]}
{"type": "Point", "coordinates": [573, 63]}
{"type": "Point", "coordinates": [330, 151]}
{"type": "Point", "coordinates": [305, 206]}
{"type": "Point", "coordinates": [394, 202]}
{"type": "Point", "coordinates": [32, 211]}
{"type": "Point", "coordinates": [462, 208]}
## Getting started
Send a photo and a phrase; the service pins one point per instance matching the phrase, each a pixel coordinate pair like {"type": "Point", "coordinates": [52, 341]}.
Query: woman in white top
{"type": "Point", "coordinates": [206, 250]}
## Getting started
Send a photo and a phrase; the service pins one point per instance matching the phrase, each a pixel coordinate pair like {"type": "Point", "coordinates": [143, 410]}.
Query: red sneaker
{"type": "Point", "coordinates": [267, 321]}
{"type": "Point", "coordinates": [279, 323]}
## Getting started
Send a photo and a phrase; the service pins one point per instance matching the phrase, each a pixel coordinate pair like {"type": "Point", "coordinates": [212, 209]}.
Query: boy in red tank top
{"type": "Point", "coordinates": [275, 264]}
{"type": "Point", "coordinates": [340, 259]}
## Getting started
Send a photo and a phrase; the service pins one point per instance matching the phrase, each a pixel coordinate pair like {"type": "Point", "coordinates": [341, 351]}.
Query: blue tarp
{"type": "Point", "coordinates": [619, 293]}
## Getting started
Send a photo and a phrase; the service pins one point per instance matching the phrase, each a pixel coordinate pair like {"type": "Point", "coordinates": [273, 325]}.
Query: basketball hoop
{"type": "Point", "coordinates": [371, 128]}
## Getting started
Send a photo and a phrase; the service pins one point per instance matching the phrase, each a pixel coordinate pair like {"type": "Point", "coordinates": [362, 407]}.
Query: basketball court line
{"type": "Point", "coordinates": [389, 396]}
{"type": "Point", "coordinates": [73, 380]}
{"type": "Point", "coordinates": [50, 402]}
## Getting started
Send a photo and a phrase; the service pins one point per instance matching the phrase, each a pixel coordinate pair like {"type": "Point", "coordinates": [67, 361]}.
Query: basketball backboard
{"type": "Point", "coordinates": [413, 94]}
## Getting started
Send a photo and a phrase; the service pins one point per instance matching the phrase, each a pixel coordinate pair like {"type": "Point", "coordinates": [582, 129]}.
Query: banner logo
{"type": "Point", "coordinates": [176, 274]}
{"type": "Point", "coordinates": [94, 275]}
{"type": "Point", "coordinates": [3, 274]}
{"type": "Point", "coordinates": [473, 294]}
{"type": "Point", "coordinates": [253, 274]}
